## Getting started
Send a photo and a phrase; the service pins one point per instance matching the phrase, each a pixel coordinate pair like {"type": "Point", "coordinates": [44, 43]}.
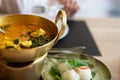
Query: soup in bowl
{"type": "Point", "coordinates": [23, 36]}
{"type": "Point", "coordinates": [28, 37]}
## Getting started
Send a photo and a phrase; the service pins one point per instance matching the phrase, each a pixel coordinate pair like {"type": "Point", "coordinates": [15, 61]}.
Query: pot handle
{"type": "Point", "coordinates": [61, 14]}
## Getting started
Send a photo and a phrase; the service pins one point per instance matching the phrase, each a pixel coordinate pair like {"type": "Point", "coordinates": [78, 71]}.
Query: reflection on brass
{"type": "Point", "coordinates": [15, 71]}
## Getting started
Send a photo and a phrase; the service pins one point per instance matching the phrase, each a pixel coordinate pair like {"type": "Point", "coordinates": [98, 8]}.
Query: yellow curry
{"type": "Point", "coordinates": [20, 36]}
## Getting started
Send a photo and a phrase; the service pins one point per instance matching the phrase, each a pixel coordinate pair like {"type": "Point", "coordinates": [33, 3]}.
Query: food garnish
{"type": "Point", "coordinates": [73, 69]}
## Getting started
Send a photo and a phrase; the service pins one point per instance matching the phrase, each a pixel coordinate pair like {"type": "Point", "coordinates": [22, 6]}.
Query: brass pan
{"type": "Point", "coordinates": [37, 52]}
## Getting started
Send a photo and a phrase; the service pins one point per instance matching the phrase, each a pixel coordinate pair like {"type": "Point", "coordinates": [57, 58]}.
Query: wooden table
{"type": "Point", "coordinates": [106, 32]}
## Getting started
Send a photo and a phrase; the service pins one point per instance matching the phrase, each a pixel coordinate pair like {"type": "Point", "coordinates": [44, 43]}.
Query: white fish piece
{"type": "Point", "coordinates": [84, 72]}
{"type": "Point", "coordinates": [70, 75]}
{"type": "Point", "coordinates": [62, 67]}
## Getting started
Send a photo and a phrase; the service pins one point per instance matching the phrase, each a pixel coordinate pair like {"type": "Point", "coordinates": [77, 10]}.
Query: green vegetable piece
{"type": "Point", "coordinates": [39, 41]}
{"type": "Point", "coordinates": [54, 72]}
{"type": "Point", "coordinates": [16, 41]}
{"type": "Point", "coordinates": [11, 47]}
{"type": "Point", "coordinates": [94, 73]}
{"type": "Point", "coordinates": [75, 62]}
{"type": "Point", "coordinates": [5, 27]}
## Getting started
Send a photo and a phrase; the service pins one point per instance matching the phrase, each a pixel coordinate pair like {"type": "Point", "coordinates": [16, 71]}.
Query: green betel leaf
{"type": "Point", "coordinates": [16, 41]}
{"type": "Point", "coordinates": [54, 72]}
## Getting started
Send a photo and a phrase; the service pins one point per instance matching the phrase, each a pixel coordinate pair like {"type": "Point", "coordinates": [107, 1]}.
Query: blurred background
{"type": "Point", "coordinates": [88, 8]}
{"type": "Point", "coordinates": [99, 8]}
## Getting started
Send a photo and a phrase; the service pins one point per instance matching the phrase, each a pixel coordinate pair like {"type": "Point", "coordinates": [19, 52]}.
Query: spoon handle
{"type": "Point", "coordinates": [1, 31]}
{"type": "Point", "coordinates": [67, 50]}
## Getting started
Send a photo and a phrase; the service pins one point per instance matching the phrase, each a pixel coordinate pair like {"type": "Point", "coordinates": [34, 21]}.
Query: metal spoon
{"type": "Point", "coordinates": [67, 50]}
{"type": "Point", "coordinates": [1, 30]}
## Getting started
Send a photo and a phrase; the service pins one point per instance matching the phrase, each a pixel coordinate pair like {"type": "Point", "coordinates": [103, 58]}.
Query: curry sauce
{"type": "Point", "coordinates": [18, 36]}
{"type": "Point", "coordinates": [17, 31]}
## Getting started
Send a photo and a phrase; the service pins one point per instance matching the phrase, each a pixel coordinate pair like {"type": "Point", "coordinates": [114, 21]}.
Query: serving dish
{"type": "Point", "coordinates": [103, 72]}
{"type": "Point", "coordinates": [33, 53]}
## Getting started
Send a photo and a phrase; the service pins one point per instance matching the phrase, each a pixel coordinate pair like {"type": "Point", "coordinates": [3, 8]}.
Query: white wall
{"type": "Point", "coordinates": [93, 8]}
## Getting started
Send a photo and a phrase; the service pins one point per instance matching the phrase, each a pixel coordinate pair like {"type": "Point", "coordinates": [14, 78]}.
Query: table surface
{"type": "Point", "coordinates": [106, 33]}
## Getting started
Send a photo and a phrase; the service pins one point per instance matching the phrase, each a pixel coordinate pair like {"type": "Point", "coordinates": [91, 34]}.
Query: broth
{"type": "Point", "coordinates": [17, 31]}
{"type": "Point", "coordinates": [18, 36]}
